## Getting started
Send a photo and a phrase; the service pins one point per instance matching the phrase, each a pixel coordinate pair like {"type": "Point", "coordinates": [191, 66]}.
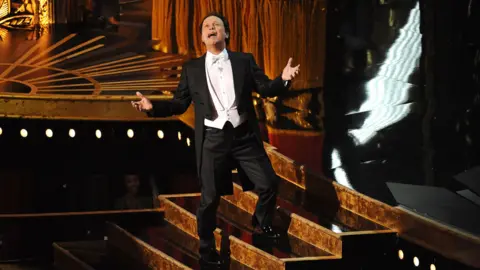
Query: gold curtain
{"type": "Point", "coordinates": [315, 25]}
{"type": "Point", "coordinates": [250, 33]}
{"type": "Point", "coordinates": [294, 29]}
{"type": "Point", "coordinates": [271, 19]}
{"type": "Point", "coordinates": [200, 9]}
{"type": "Point", "coordinates": [232, 12]}
{"type": "Point", "coordinates": [181, 26]}
{"type": "Point", "coordinates": [272, 30]}
{"type": "Point", "coordinates": [162, 14]}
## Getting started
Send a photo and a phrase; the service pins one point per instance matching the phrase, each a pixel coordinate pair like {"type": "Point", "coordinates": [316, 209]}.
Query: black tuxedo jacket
{"type": "Point", "coordinates": [247, 77]}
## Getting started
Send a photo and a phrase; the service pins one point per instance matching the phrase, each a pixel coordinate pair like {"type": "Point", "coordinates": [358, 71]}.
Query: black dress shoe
{"type": "Point", "coordinates": [266, 231]}
{"type": "Point", "coordinates": [210, 260]}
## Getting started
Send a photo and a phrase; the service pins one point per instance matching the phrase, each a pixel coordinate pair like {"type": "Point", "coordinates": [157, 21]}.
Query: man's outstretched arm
{"type": "Point", "coordinates": [178, 105]}
{"type": "Point", "coordinates": [270, 88]}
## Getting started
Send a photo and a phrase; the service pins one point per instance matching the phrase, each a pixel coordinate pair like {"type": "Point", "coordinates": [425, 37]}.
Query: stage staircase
{"type": "Point", "coordinates": [312, 238]}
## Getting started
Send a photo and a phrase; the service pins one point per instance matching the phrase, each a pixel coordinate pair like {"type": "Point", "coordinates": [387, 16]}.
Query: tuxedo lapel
{"type": "Point", "coordinates": [238, 70]}
{"type": "Point", "coordinates": [200, 78]}
{"type": "Point", "coordinates": [200, 75]}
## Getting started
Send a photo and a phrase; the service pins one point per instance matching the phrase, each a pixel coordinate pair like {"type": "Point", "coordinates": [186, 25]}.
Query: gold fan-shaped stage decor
{"type": "Point", "coordinates": [4, 8]}
{"type": "Point", "coordinates": [22, 18]}
{"type": "Point", "coordinates": [22, 21]}
{"type": "Point", "coordinates": [79, 77]}
{"type": "Point", "coordinates": [29, 14]}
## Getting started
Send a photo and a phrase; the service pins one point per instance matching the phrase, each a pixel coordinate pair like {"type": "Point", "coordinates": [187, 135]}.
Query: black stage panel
{"type": "Point", "coordinates": [469, 195]}
{"type": "Point", "coordinates": [440, 204]}
{"type": "Point", "coordinates": [471, 179]}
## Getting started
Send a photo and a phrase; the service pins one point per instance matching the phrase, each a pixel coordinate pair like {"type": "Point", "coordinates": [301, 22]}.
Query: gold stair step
{"type": "Point", "coordinates": [166, 246]}
{"type": "Point", "coordinates": [332, 228]}
{"type": "Point", "coordinates": [134, 253]}
{"type": "Point", "coordinates": [81, 255]}
{"type": "Point", "coordinates": [241, 239]}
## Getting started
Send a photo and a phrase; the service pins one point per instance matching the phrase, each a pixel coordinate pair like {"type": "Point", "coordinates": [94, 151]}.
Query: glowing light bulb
{"type": "Point", "coordinates": [401, 255]}
{"type": "Point", "coordinates": [98, 133]}
{"type": "Point", "coordinates": [416, 261]}
{"type": "Point", "coordinates": [160, 134]}
{"type": "Point", "coordinates": [188, 141]}
{"type": "Point", "coordinates": [179, 135]}
{"type": "Point", "coordinates": [49, 133]}
{"type": "Point", "coordinates": [71, 133]}
{"type": "Point", "coordinates": [1, 131]}
{"type": "Point", "coordinates": [24, 133]}
{"type": "Point", "coordinates": [130, 133]}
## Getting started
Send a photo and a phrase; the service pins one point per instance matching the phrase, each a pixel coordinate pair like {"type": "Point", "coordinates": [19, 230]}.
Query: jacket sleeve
{"type": "Point", "coordinates": [176, 106]}
{"type": "Point", "coordinates": [263, 85]}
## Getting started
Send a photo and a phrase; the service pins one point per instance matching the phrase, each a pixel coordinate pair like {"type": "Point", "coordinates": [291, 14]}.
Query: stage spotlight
{"type": "Point", "coordinates": [401, 255]}
{"type": "Point", "coordinates": [160, 134]}
{"type": "Point", "coordinates": [179, 136]}
{"type": "Point", "coordinates": [71, 133]}
{"type": "Point", "coordinates": [416, 261]}
{"type": "Point", "coordinates": [188, 141]}
{"type": "Point", "coordinates": [98, 133]}
{"type": "Point", "coordinates": [24, 133]}
{"type": "Point", "coordinates": [433, 267]}
{"type": "Point", "coordinates": [49, 133]}
{"type": "Point", "coordinates": [130, 133]}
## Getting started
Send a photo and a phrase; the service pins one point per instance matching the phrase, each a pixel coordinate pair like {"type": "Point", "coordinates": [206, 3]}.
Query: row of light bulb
{"type": "Point", "coordinates": [98, 134]}
{"type": "Point", "coordinates": [416, 260]}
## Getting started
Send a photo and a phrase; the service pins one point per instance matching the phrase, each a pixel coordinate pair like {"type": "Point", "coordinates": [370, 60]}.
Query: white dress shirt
{"type": "Point", "coordinates": [218, 69]}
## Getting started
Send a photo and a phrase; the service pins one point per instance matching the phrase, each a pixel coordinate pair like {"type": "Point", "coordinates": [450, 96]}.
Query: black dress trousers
{"type": "Point", "coordinates": [221, 149]}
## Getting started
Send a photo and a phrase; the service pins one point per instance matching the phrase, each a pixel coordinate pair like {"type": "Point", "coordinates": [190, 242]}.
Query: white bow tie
{"type": "Point", "coordinates": [216, 58]}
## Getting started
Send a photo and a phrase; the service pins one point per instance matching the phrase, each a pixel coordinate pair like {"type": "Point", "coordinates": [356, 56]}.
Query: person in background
{"type": "Point", "coordinates": [132, 198]}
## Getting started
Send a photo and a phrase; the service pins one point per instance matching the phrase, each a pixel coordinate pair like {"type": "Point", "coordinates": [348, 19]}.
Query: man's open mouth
{"type": "Point", "coordinates": [212, 35]}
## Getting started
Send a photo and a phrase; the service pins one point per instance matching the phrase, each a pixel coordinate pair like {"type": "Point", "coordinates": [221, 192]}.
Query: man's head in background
{"type": "Point", "coordinates": [132, 183]}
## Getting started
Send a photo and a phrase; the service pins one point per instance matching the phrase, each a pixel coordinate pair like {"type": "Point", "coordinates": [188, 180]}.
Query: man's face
{"type": "Point", "coordinates": [213, 31]}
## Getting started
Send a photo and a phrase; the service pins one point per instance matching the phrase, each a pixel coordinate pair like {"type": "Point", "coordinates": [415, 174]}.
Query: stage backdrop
{"type": "Point", "coordinates": [272, 30]}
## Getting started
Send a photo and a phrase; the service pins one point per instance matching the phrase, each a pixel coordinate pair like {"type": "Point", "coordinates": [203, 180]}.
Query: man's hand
{"type": "Point", "coordinates": [144, 105]}
{"type": "Point", "coordinates": [290, 72]}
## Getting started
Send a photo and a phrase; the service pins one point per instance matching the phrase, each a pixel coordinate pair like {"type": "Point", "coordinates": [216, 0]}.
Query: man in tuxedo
{"type": "Point", "coordinates": [227, 133]}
